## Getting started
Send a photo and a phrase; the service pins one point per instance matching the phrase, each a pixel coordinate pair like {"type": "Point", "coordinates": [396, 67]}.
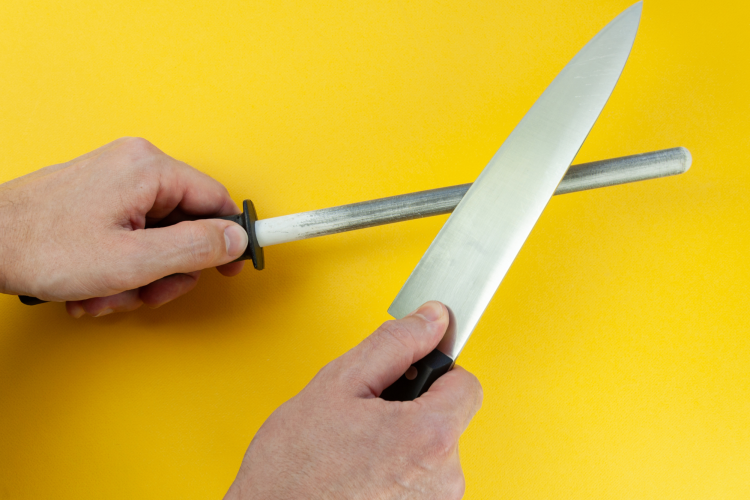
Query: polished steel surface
{"type": "Point", "coordinates": [293, 227]}
{"type": "Point", "coordinates": [633, 168]}
{"type": "Point", "coordinates": [471, 254]}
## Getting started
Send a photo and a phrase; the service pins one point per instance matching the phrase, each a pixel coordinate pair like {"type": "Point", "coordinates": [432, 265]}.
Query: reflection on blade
{"type": "Point", "coordinates": [471, 254]}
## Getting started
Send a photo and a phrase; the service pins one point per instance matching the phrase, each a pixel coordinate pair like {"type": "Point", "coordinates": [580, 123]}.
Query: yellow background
{"type": "Point", "coordinates": [615, 356]}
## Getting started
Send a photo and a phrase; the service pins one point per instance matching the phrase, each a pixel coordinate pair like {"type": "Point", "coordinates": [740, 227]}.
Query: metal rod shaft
{"type": "Point", "coordinates": [443, 200]}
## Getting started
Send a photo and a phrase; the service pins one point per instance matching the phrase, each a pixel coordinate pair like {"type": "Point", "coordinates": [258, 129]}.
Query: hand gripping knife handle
{"type": "Point", "coordinates": [418, 378]}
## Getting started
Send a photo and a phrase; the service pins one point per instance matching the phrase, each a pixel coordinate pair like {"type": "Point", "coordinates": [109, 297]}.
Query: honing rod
{"type": "Point", "coordinates": [404, 207]}
{"type": "Point", "coordinates": [275, 230]}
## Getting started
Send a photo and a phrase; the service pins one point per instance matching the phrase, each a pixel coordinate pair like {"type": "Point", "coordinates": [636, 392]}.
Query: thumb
{"type": "Point", "coordinates": [186, 247]}
{"type": "Point", "coordinates": [380, 359]}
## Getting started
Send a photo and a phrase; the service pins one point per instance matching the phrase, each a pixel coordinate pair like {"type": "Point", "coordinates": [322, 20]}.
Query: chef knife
{"type": "Point", "coordinates": [474, 249]}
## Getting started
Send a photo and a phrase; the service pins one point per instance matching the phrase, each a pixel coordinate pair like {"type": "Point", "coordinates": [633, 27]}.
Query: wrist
{"type": "Point", "coordinates": [10, 243]}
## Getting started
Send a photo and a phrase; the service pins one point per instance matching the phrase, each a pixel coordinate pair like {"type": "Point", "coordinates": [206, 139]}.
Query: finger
{"type": "Point", "coordinates": [189, 190]}
{"type": "Point", "coordinates": [102, 306]}
{"type": "Point", "coordinates": [183, 248]}
{"type": "Point", "coordinates": [161, 291]}
{"type": "Point", "coordinates": [74, 308]}
{"type": "Point", "coordinates": [456, 396]}
{"type": "Point", "coordinates": [170, 183]}
{"type": "Point", "coordinates": [153, 295]}
{"type": "Point", "coordinates": [231, 269]}
{"type": "Point", "coordinates": [174, 217]}
{"type": "Point", "coordinates": [178, 215]}
{"type": "Point", "coordinates": [384, 356]}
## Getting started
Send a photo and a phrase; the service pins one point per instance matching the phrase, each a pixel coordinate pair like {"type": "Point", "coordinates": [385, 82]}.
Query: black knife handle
{"type": "Point", "coordinates": [253, 251]}
{"type": "Point", "coordinates": [30, 301]}
{"type": "Point", "coordinates": [428, 370]}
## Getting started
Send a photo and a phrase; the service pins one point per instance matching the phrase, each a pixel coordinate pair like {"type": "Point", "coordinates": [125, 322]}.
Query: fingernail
{"type": "Point", "coordinates": [236, 239]}
{"type": "Point", "coordinates": [76, 310]}
{"type": "Point", "coordinates": [104, 313]}
{"type": "Point", "coordinates": [430, 311]}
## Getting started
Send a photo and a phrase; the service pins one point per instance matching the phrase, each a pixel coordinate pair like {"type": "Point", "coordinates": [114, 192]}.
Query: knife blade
{"type": "Point", "coordinates": [474, 249]}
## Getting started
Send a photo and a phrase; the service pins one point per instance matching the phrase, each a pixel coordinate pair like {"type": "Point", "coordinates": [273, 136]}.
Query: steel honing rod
{"type": "Point", "coordinates": [443, 200]}
{"type": "Point", "coordinates": [404, 207]}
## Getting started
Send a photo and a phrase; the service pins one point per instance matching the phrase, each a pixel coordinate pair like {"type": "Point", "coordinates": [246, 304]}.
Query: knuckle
{"type": "Point", "coordinates": [139, 146]}
{"type": "Point", "coordinates": [478, 394]}
{"type": "Point", "coordinates": [478, 390]}
{"type": "Point", "coordinates": [472, 393]}
{"type": "Point", "coordinates": [140, 153]}
{"type": "Point", "coordinates": [474, 387]}
{"type": "Point", "coordinates": [443, 439]}
{"type": "Point", "coordinates": [456, 486]}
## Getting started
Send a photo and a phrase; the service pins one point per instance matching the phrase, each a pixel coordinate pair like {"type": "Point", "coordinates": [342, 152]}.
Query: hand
{"type": "Point", "coordinates": [111, 230]}
{"type": "Point", "coordinates": [338, 439]}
